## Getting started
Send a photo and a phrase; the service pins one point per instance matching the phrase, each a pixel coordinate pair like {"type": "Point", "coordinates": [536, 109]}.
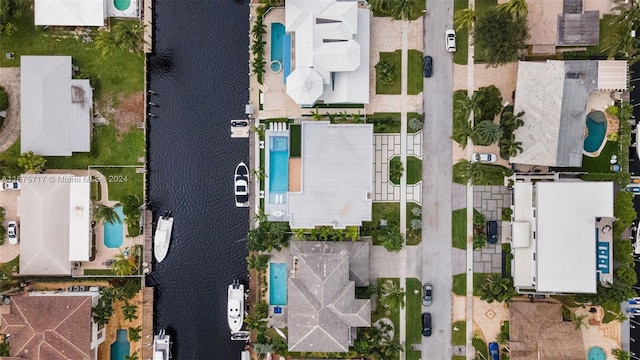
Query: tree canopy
{"type": "Point", "coordinates": [499, 35]}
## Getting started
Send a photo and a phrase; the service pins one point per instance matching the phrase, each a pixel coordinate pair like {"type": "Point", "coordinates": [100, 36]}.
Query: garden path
{"type": "Point", "coordinates": [10, 81]}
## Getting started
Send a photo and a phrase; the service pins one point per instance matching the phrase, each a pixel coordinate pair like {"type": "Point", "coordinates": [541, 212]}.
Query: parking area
{"type": "Point", "coordinates": [8, 201]}
{"type": "Point", "coordinates": [490, 200]}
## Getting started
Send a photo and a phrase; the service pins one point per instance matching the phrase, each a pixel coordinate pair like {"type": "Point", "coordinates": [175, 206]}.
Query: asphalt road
{"type": "Point", "coordinates": [436, 172]}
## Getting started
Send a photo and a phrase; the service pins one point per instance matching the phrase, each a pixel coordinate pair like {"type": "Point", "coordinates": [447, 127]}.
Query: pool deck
{"type": "Point", "coordinates": [147, 15]}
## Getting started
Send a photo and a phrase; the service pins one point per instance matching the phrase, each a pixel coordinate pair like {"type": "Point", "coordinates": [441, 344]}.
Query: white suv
{"type": "Point", "coordinates": [450, 40]}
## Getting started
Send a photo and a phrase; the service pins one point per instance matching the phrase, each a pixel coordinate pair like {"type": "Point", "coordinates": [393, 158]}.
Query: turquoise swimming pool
{"type": "Point", "coordinates": [114, 233]}
{"type": "Point", "coordinates": [121, 4]}
{"type": "Point", "coordinates": [278, 168]}
{"type": "Point", "coordinates": [596, 353]}
{"type": "Point", "coordinates": [280, 50]}
{"type": "Point", "coordinates": [121, 347]}
{"type": "Point", "coordinates": [597, 129]}
{"type": "Point", "coordinates": [277, 284]}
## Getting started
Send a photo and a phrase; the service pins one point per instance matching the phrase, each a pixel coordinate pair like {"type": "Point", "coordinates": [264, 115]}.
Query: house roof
{"type": "Point", "coordinates": [69, 12]}
{"type": "Point", "coordinates": [337, 176]}
{"type": "Point", "coordinates": [332, 37]}
{"type": "Point", "coordinates": [55, 109]}
{"type": "Point", "coordinates": [321, 302]}
{"type": "Point", "coordinates": [537, 332]}
{"type": "Point", "coordinates": [54, 211]}
{"type": "Point", "coordinates": [613, 75]}
{"type": "Point", "coordinates": [553, 96]}
{"type": "Point", "coordinates": [579, 29]}
{"type": "Point", "coordinates": [563, 220]}
{"type": "Point", "coordinates": [63, 334]}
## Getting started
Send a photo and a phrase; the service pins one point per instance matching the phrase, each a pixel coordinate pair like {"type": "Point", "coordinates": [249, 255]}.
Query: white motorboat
{"type": "Point", "coordinates": [242, 185]}
{"type": "Point", "coordinates": [161, 346]}
{"type": "Point", "coordinates": [162, 236]}
{"type": "Point", "coordinates": [235, 306]}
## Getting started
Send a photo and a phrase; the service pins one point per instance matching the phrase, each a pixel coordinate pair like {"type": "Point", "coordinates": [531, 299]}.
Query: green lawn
{"type": "Point", "coordinates": [394, 87]}
{"type": "Point", "coordinates": [388, 123]}
{"type": "Point", "coordinates": [414, 313]}
{"type": "Point", "coordinates": [414, 237]}
{"type": "Point", "coordinates": [458, 121]}
{"type": "Point", "coordinates": [122, 181]}
{"type": "Point", "coordinates": [295, 140]}
{"type": "Point", "coordinates": [106, 149]}
{"type": "Point", "coordinates": [598, 164]}
{"type": "Point", "coordinates": [606, 31]}
{"type": "Point", "coordinates": [381, 210]}
{"type": "Point", "coordinates": [459, 229]}
{"type": "Point", "coordinates": [459, 337]}
{"type": "Point", "coordinates": [493, 174]}
{"type": "Point", "coordinates": [460, 57]}
{"type": "Point", "coordinates": [10, 157]}
{"type": "Point", "coordinates": [459, 284]}
{"type": "Point", "coordinates": [414, 75]}
{"type": "Point", "coordinates": [413, 167]}
{"type": "Point", "coordinates": [123, 75]}
{"type": "Point", "coordinates": [101, 272]}
{"type": "Point", "coordinates": [481, 347]}
{"type": "Point", "coordinates": [416, 14]}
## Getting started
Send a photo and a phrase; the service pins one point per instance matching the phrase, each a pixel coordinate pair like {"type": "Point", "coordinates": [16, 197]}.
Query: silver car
{"type": "Point", "coordinates": [427, 294]}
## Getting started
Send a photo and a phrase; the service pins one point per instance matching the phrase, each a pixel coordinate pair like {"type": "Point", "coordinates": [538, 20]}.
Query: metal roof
{"type": "Point", "coordinates": [55, 109]}
{"type": "Point", "coordinates": [70, 12]}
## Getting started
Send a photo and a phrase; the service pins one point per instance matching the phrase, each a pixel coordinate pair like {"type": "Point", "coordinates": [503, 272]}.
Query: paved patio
{"type": "Point", "coordinates": [490, 200]}
{"type": "Point", "coordinates": [387, 146]}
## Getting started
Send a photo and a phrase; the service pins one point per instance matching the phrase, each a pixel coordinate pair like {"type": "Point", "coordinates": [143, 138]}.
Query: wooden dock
{"type": "Point", "coordinates": [147, 292]}
{"type": "Point", "coordinates": [147, 16]}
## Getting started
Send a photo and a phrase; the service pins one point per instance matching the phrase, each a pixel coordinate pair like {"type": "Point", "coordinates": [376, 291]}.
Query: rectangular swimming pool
{"type": "Point", "coordinates": [114, 232]}
{"type": "Point", "coordinates": [278, 168]}
{"type": "Point", "coordinates": [281, 49]}
{"type": "Point", "coordinates": [277, 284]}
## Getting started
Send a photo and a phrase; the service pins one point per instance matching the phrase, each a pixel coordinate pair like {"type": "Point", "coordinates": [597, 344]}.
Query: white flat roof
{"type": "Point", "coordinates": [336, 176]}
{"type": "Point", "coordinates": [54, 211]}
{"type": "Point", "coordinates": [69, 12]}
{"type": "Point", "coordinates": [523, 264]}
{"type": "Point", "coordinates": [612, 75]}
{"type": "Point", "coordinates": [566, 214]}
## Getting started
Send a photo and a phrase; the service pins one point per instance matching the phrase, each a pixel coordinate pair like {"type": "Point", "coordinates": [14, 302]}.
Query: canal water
{"type": "Point", "coordinates": [198, 80]}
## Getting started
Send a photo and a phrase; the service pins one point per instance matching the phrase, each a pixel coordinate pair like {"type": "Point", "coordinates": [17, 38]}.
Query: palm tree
{"type": "Point", "coordinates": [129, 36]}
{"type": "Point", "coordinates": [301, 234]}
{"type": "Point", "coordinates": [315, 114]}
{"type": "Point", "coordinates": [392, 348]}
{"type": "Point", "coordinates": [105, 41]}
{"type": "Point", "coordinates": [258, 262]}
{"type": "Point", "coordinates": [353, 232]}
{"type": "Point", "coordinates": [134, 333]}
{"type": "Point", "coordinates": [395, 170]}
{"type": "Point", "coordinates": [325, 232]}
{"type": "Point", "coordinates": [487, 133]}
{"type": "Point", "coordinates": [622, 42]}
{"type": "Point", "coordinates": [627, 17]}
{"type": "Point", "coordinates": [468, 105]}
{"type": "Point", "coordinates": [380, 5]}
{"type": "Point", "coordinates": [133, 356]}
{"type": "Point", "coordinates": [279, 230]}
{"type": "Point", "coordinates": [258, 30]}
{"type": "Point", "coordinates": [124, 264]}
{"type": "Point", "coordinates": [509, 147]}
{"type": "Point", "coordinates": [254, 323]}
{"type": "Point", "coordinates": [129, 311]}
{"type": "Point", "coordinates": [578, 320]}
{"type": "Point", "coordinates": [497, 288]}
{"type": "Point", "coordinates": [517, 8]}
{"type": "Point", "coordinates": [511, 121]}
{"type": "Point", "coordinates": [621, 354]}
{"type": "Point", "coordinates": [385, 71]}
{"type": "Point", "coordinates": [403, 9]}
{"type": "Point", "coordinates": [462, 132]}
{"type": "Point", "coordinates": [259, 173]}
{"type": "Point", "coordinates": [392, 295]}
{"type": "Point", "coordinates": [108, 214]}
{"type": "Point", "coordinates": [474, 172]}
{"type": "Point", "coordinates": [465, 18]}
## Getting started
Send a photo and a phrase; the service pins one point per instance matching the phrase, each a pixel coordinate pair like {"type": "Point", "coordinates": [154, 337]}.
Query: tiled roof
{"type": "Point", "coordinates": [63, 334]}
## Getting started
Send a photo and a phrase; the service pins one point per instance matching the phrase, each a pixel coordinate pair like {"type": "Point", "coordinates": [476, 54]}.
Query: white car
{"type": "Point", "coordinates": [450, 40]}
{"type": "Point", "coordinates": [12, 232]}
{"type": "Point", "coordinates": [484, 157]}
{"type": "Point", "coordinates": [10, 185]}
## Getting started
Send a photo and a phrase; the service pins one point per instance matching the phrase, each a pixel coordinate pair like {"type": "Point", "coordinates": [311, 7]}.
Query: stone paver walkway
{"type": "Point", "coordinates": [490, 200]}
{"type": "Point", "coordinates": [387, 146]}
{"type": "Point", "coordinates": [488, 259]}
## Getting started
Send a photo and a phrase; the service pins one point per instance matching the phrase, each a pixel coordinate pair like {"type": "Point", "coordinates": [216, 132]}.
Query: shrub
{"type": "Point", "coordinates": [506, 214]}
{"type": "Point", "coordinates": [30, 161]}
{"type": "Point", "coordinates": [613, 110]}
{"type": "Point", "coordinates": [385, 71]}
{"type": "Point", "coordinates": [4, 99]}
{"type": "Point", "coordinates": [415, 124]}
{"type": "Point", "coordinates": [416, 224]}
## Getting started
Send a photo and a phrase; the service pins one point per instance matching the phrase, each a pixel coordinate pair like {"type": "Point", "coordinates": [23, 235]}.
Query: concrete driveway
{"type": "Point", "coordinates": [437, 172]}
{"type": "Point", "coordinates": [8, 201]}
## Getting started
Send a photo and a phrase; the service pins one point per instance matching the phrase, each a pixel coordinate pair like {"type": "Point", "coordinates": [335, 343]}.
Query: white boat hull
{"type": "Point", "coordinates": [241, 183]}
{"type": "Point", "coordinates": [161, 346]}
{"type": "Point", "coordinates": [162, 237]}
{"type": "Point", "coordinates": [235, 306]}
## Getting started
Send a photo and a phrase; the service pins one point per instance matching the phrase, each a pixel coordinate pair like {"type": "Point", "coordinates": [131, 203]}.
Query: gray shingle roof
{"type": "Point", "coordinates": [579, 29]}
{"type": "Point", "coordinates": [322, 307]}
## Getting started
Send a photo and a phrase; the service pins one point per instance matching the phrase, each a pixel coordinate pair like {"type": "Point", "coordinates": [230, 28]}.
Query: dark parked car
{"type": "Point", "coordinates": [426, 324]}
{"type": "Point", "coordinates": [494, 351]}
{"type": "Point", "coordinates": [427, 294]}
{"type": "Point", "coordinates": [427, 66]}
{"type": "Point", "coordinates": [492, 232]}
